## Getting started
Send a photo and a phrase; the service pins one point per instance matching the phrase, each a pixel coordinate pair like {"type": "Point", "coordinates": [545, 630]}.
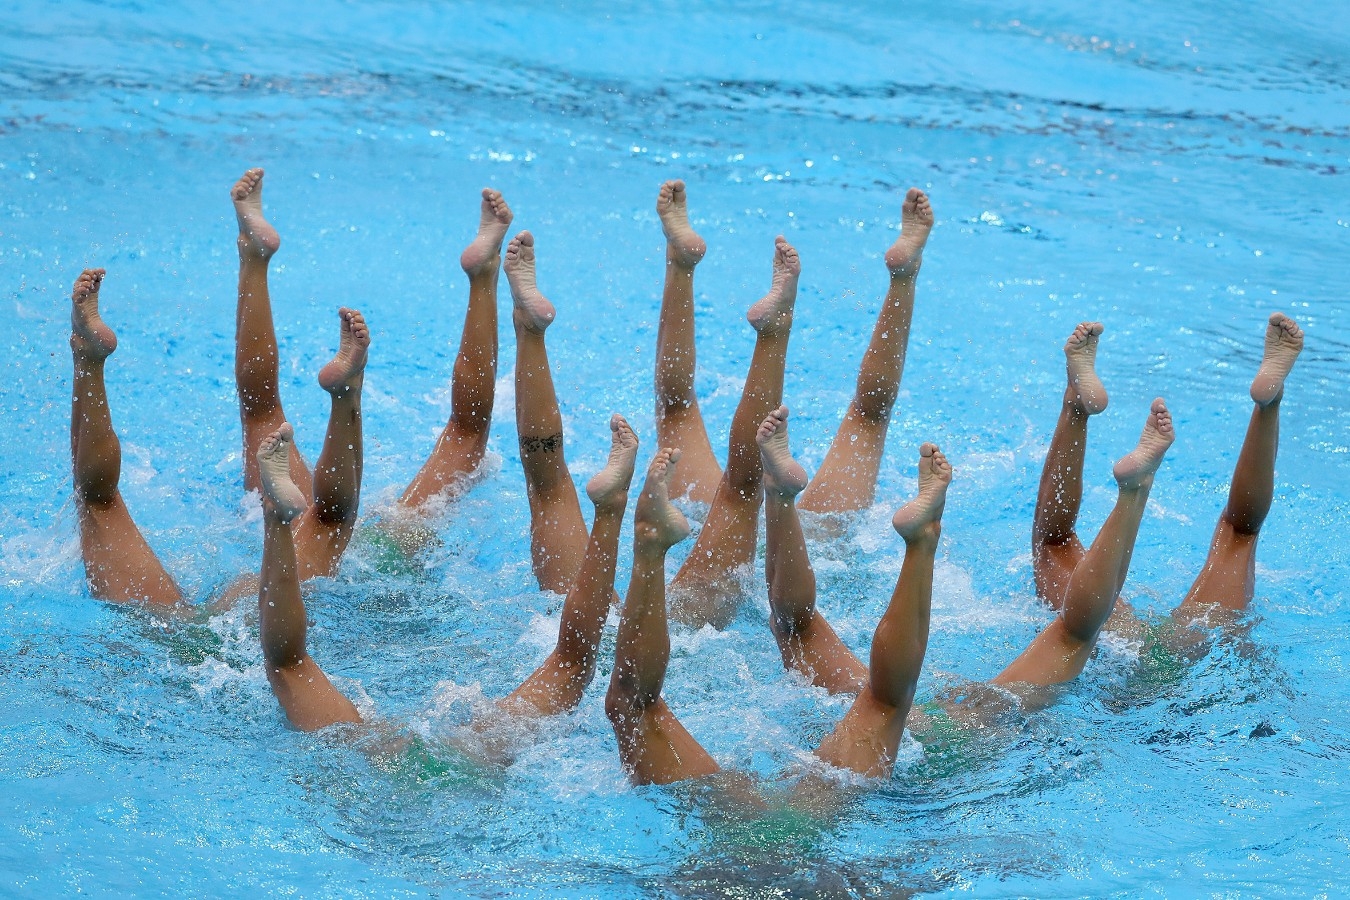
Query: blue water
{"type": "Point", "coordinates": [1177, 170]}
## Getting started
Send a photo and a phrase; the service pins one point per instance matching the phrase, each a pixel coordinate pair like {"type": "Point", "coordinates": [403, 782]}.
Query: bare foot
{"type": "Point", "coordinates": [1284, 342]}
{"type": "Point", "coordinates": [922, 516]}
{"type": "Point", "coordinates": [1137, 466]}
{"type": "Point", "coordinates": [656, 521]}
{"type": "Point", "coordinates": [610, 484]}
{"type": "Point", "coordinates": [783, 475]}
{"type": "Point", "coordinates": [89, 335]}
{"type": "Point", "coordinates": [532, 311]}
{"type": "Point", "coordinates": [344, 371]}
{"type": "Point", "coordinates": [257, 238]}
{"type": "Point", "coordinates": [1080, 354]}
{"type": "Point", "coordinates": [495, 216]}
{"type": "Point", "coordinates": [281, 498]}
{"type": "Point", "coordinates": [916, 221]}
{"type": "Point", "coordinates": [683, 246]}
{"type": "Point", "coordinates": [774, 312]}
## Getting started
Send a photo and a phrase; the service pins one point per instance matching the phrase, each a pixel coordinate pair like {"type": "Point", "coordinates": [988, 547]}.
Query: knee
{"type": "Point", "coordinates": [874, 404]}
{"type": "Point", "coordinates": [96, 495]}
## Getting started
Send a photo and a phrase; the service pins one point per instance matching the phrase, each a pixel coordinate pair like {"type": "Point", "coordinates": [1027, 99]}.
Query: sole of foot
{"type": "Point", "coordinates": [684, 247]}
{"type": "Point", "coordinates": [1139, 464]}
{"type": "Point", "coordinates": [274, 469]}
{"type": "Point", "coordinates": [532, 311]}
{"type": "Point", "coordinates": [257, 238]}
{"type": "Point", "coordinates": [610, 484]}
{"type": "Point", "coordinates": [1284, 342]}
{"type": "Point", "coordinates": [345, 369]}
{"type": "Point", "coordinates": [656, 520]}
{"type": "Point", "coordinates": [493, 219]}
{"type": "Point", "coordinates": [783, 475]}
{"type": "Point", "coordinates": [922, 516]}
{"type": "Point", "coordinates": [916, 221]}
{"type": "Point", "coordinates": [773, 312]}
{"type": "Point", "coordinates": [89, 334]}
{"type": "Point", "coordinates": [1080, 358]}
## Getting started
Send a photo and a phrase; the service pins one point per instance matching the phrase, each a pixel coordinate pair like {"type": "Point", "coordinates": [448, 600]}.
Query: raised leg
{"type": "Point", "coordinates": [460, 449]}
{"type": "Point", "coordinates": [654, 747]}
{"type": "Point", "coordinates": [867, 738]}
{"type": "Point", "coordinates": [706, 589]}
{"type": "Point", "coordinates": [1056, 548]}
{"type": "Point", "coordinates": [679, 422]}
{"type": "Point", "coordinates": [847, 479]}
{"type": "Point", "coordinates": [255, 341]}
{"type": "Point", "coordinates": [805, 639]}
{"type": "Point", "coordinates": [557, 530]}
{"type": "Point", "coordinates": [1228, 579]}
{"type": "Point", "coordinates": [308, 698]}
{"type": "Point", "coordinates": [323, 531]}
{"type": "Point", "coordinates": [118, 564]}
{"type": "Point", "coordinates": [1059, 652]}
{"type": "Point", "coordinates": [557, 685]}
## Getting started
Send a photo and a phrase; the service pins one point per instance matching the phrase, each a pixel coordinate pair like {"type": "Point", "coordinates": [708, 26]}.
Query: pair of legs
{"type": "Point", "coordinates": [654, 746]}
{"type": "Point", "coordinates": [1227, 580]}
{"type": "Point", "coordinates": [705, 590]}
{"type": "Point", "coordinates": [309, 699]}
{"type": "Point", "coordinates": [333, 492]}
{"type": "Point", "coordinates": [847, 479]}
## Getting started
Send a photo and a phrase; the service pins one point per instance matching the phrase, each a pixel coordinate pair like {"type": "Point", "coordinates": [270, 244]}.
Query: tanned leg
{"type": "Point", "coordinates": [460, 449]}
{"type": "Point", "coordinates": [557, 530]}
{"type": "Point", "coordinates": [679, 422]}
{"type": "Point", "coordinates": [308, 698]}
{"type": "Point", "coordinates": [805, 639]}
{"type": "Point", "coordinates": [867, 738]}
{"type": "Point", "coordinates": [1055, 546]}
{"type": "Point", "coordinates": [706, 590]}
{"type": "Point", "coordinates": [847, 479]}
{"type": "Point", "coordinates": [557, 685]}
{"type": "Point", "coordinates": [1059, 652]}
{"type": "Point", "coordinates": [654, 747]}
{"type": "Point", "coordinates": [323, 531]}
{"type": "Point", "coordinates": [1228, 579]}
{"type": "Point", "coordinates": [118, 564]}
{"type": "Point", "coordinates": [255, 341]}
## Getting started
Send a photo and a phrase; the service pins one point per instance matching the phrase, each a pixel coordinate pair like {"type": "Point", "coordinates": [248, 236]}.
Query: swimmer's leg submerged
{"type": "Point", "coordinates": [1059, 652]}
{"type": "Point", "coordinates": [867, 738]}
{"type": "Point", "coordinates": [557, 685]}
{"type": "Point", "coordinates": [654, 747]}
{"type": "Point", "coordinates": [847, 478]}
{"type": "Point", "coordinates": [308, 698]}
{"type": "Point", "coordinates": [557, 530]}
{"type": "Point", "coordinates": [679, 422]}
{"type": "Point", "coordinates": [1228, 579]}
{"type": "Point", "coordinates": [1056, 548]}
{"type": "Point", "coordinates": [705, 589]}
{"type": "Point", "coordinates": [255, 347]}
{"type": "Point", "coordinates": [805, 639]}
{"type": "Point", "coordinates": [460, 449]}
{"type": "Point", "coordinates": [118, 564]}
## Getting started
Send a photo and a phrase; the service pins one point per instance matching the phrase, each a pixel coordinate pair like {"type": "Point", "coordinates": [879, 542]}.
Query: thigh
{"type": "Point", "coordinates": [558, 537]}
{"type": "Point", "coordinates": [319, 545]}
{"type": "Point", "coordinates": [657, 749]}
{"type": "Point", "coordinates": [118, 563]}
{"type": "Point", "coordinates": [256, 428]}
{"type": "Point", "coordinates": [698, 473]}
{"type": "Point", "coordinates": [1053, 565]}
{"type": "Point", "coordinates": [1229, 574]}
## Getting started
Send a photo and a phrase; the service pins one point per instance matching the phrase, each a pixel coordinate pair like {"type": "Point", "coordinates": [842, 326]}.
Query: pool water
{"type": "Point", "coordinates": [1177, 170]}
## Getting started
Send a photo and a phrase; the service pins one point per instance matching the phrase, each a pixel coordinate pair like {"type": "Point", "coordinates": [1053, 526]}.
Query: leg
{"type": "Point", "coordinates": [306, 695]}
{"type": "Point", "coordinates": [847, 479]}
{"type": "Point", "coordinates": [325, 528]}
{"type": "Point", "coordinates": [255, 340]}
{"type": "Point", "coordinates": [679, 422]}
{"type": "Point", "coordinates": [1059, 652]}
{"type": "Point", "coordinates": [557, 530]}
{"type": "Point", "coordinates": [118, 564]}
{"type": "Point", "coordinates": [1228, 578]}
{"type": "Point", "coordinates": [867, 738]}
{"type": "Point", "coordinates": [805, 639]}
{"type": "Point", "coordinates": [705, 588]}
{"type": "Point", "coordinates": [459, 450]}
{"type": "Point", "coordinates": [654, 746]}
{"type": "Point", "coordinates": [557, 685]}
{"type": "Point", "coordinates": [1055, 547]}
